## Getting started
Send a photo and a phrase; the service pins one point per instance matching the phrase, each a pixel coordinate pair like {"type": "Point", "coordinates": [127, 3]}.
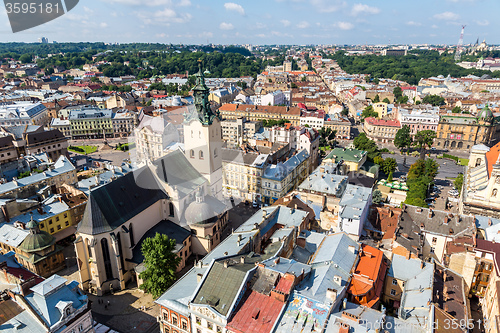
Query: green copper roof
{"type": "Point", "coordinates": [36, 241]}
{"type": "Point", "coordinates": [485, 114]}
{"type": "Point", "coordinates": [346, 154]}
{"type": "Point", "coordinates": [201, 102]}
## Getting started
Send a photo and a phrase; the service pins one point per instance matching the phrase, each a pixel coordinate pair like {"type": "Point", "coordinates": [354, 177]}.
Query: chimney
{"type": "Point", "coordinates": [242, 260]}
{"type": "Point", "coordinates": [430, 214]}
{"type": "Point", "coordinates": [331, 294]}
{"type": "Point", "coordinates": [489, 222]}
{"type": "Point", "coordinates": [226, 262]}
{"type": "Point", "coordinates": [277, 260]}
{"type": "Point", "coordinates": [445, 220]}
{"type": "Point", "coordinates": [199, 276]}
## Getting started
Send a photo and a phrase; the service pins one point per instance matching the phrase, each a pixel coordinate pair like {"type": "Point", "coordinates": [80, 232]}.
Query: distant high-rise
{"type": "Point", "coordinates": [43, 40]}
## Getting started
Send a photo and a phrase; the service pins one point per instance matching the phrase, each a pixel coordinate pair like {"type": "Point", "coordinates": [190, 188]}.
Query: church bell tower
{"type": "Point", "coordinates": [203, 136]}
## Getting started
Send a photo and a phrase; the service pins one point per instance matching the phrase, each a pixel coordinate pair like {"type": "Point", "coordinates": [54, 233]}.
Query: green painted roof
{"type": "Point", "coordinates": [346, 154]}
{"type": "Point", "coordinates": [36, 241]}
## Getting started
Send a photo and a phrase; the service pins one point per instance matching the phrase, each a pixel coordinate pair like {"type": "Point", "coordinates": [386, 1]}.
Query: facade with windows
{"type": "Point", "coordinates": [60, 173]}
{"type": "Point", "coordinates": [53, 305]}
{"type": "Point", "coordinates": [279, 179]}
{"type": "Point", "coordinates": [242, 174]}
{"type": "Point", "coordinates": [22, 114]}
{"type": "Point", "coordinates": [462, 131]}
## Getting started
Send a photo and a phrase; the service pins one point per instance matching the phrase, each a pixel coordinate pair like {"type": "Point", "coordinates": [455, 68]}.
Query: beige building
{"type": "Point", "coordinates": [380, 130]}
{"type": "Point", "coordinates": [341, 125]}
{"type": "Point", "coordinates": [238, 131]}
{"type": "Point", "coordinates": [242, 172]}
{"type": "Point", "coordinates": [261, 112]}
{"type": "Point", "coordinates": [462, 131]}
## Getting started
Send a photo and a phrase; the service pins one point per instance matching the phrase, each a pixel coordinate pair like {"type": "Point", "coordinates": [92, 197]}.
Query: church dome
{"type": "Point", "coordinates": [36, 240]}
{"type": "Point", "coordinates": [199, 211]}
{"type": "Point", "coordinates": [485, 114]}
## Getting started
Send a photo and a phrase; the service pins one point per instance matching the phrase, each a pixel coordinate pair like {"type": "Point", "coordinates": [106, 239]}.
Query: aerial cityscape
{"type": "Point", "coordinates": [199, 167]}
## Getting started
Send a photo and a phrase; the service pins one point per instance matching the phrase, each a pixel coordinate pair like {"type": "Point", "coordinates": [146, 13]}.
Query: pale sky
{"type": "Point", "coordinates": [270, 22]}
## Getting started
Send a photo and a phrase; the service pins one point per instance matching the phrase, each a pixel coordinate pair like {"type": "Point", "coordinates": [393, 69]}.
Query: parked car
{"type": "Point", "coordinates": [255, 204]}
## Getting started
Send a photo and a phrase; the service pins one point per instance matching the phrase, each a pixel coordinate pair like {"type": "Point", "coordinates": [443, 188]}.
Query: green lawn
{"type": "Point", "coordinates": [82, 149]}
{"type": "Point", "coordinates": [463, 161]}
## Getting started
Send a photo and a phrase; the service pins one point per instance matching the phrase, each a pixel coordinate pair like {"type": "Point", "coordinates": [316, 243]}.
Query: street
{"type": "Point", "coordinates": [448, 169]}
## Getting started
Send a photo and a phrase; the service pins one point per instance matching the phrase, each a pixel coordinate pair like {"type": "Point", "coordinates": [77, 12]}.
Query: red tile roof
{"type": "Point", "coordinates": [258, 313]}
{"type": "Point", "coordinates": [381, 122]}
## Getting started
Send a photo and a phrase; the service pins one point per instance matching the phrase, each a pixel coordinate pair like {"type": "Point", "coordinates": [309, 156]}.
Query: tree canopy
{"type": "Point", "coordinates": [420, 176]}
{"type": "Point", "coordinates": [403, 139]}
{"type": "Point", "coordinates": [362, 142]}
{"type": "Point", "coordinates": [434, 100]}
{"type": "Point", "coordinates": [424, 139]}
{"type": "Point", "coordinates": [161, 264]}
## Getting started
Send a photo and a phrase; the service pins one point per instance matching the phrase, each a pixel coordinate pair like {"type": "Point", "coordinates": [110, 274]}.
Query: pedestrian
{"type": "Point", "coordinates": [109, 304]}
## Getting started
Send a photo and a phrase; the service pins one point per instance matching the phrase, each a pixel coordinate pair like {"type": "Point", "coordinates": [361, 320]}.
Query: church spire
{"type": "Point", "coordinates": [201, 102]}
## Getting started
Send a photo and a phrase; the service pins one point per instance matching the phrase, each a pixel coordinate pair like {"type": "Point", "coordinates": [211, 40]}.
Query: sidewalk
{"type": "Point", "coordinates": [124, 312]}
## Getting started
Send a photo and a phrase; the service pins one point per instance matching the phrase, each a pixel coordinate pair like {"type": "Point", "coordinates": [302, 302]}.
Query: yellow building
{"type": "Point", "coordinates": [352, 159]}
{"type": "Point", "coordinates": [52, 217]}
{"type": "Point", "coordinates": [462, 131]}
{"type": "Point", "coordinates": [380, 108]}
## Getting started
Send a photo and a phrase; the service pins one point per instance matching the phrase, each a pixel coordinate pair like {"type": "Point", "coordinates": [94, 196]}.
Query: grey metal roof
{"type": "Point", "coordinates": [11, 235]}
{"type": "Point", "coordinates": [403, 268]}
{"type": "Point", "coordinates": [172, 230]}
{"type": "Point", "coordinates": [323, 180]}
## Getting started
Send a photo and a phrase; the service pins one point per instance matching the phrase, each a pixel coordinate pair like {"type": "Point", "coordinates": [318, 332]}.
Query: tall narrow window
{"type": "Point", "coordinates": [201, 154]}
{"type": "Point", "coordinates": [107, 260]}
{"type": "Point", "coordinates": [171, 208]}
{"type": "Point", "coordinates": [120, 252]}
{"type": "Point", "coordinates": [88, 248]}
{"type": "Point", "coordinates": [131, 235]}
{"type": "Point", "coordinates": [191, 153]}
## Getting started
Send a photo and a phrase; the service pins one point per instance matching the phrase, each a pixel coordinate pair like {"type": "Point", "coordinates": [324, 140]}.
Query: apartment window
{"type": "Point", "coordinates": [66, 223]}
{"type": "Point", "coordinates": [434, 240]}
{"type": "Point", "coordinates": [57, 218]}
{"type": "Point", "coordinates": [219, 329]}
{"type": "Point", "coordinates": [210, 326]}
{"type": "Point", "coordinates": [65, 215]}
{"type": "Point", "coordinates": [191, 153]}
{"type": "Point", "coordinates": [51, 230]}
{"type": "Point", "coordinates": [394, 281]}
{"type": "Point", "coordinates": [59, 227]}
{"type": "Point", "coordinates": [174, 320]}
{"type": "Point", "coordinates": [393, 292]}
{"type": "Point", "coordinates": [41, 225]}
{"type": "Point", "coordinates": [198, 320]}
{"type": "Point", "coordinates": [50, 221]}
{"type": "Point", "coordinates": [432, 249]}
{"type": "Point", "coordinates": [201, 154]}
{"type": "Point", "coordinates": [184, 325]}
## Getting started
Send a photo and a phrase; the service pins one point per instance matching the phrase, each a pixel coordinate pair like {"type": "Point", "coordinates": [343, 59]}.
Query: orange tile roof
{"type": "Point", "coordinates": [367, 271]}
{"type": "Point", "coordinates": [492, 157]}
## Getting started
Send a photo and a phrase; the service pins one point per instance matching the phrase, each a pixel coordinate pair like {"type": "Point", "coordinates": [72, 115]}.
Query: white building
{"type": "Point", "coordinates": [354, 208]}
{"type": "Point", "coordinates": [419, 120]}
{"type": "Point", "coordinates": [152, 137]}
{"type": "Point", "coordinates": [23, 113]}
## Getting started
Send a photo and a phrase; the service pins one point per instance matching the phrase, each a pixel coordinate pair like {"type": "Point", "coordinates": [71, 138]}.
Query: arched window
{"type": "Point", "coordinates": [171, 208]}
{"type": "Point", "coordinates": [88, 248]}
{"type": "Point", "coordinates": [131, 235]}
{"type": "Point", "coordinates": [494, 193]}
{"type": "Point", "coordinates": [191, 153]}
{"type": "Point", "coordinates": [478, 162]}
{"type": "Point", "coordinates": [120, 252]}
{"type": "Point", "coordinates": [68, 311]}
{"type": "Point", "coordinates": [107, 260]}
{"type": "Point", "coordinates": [201, 154]}
{"type": "Point", "coordinates": [215, 152]}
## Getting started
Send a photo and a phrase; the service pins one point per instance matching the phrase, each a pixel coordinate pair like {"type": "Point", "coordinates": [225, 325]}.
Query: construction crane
{"type": "Point", "coordinates": [458, 52]}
